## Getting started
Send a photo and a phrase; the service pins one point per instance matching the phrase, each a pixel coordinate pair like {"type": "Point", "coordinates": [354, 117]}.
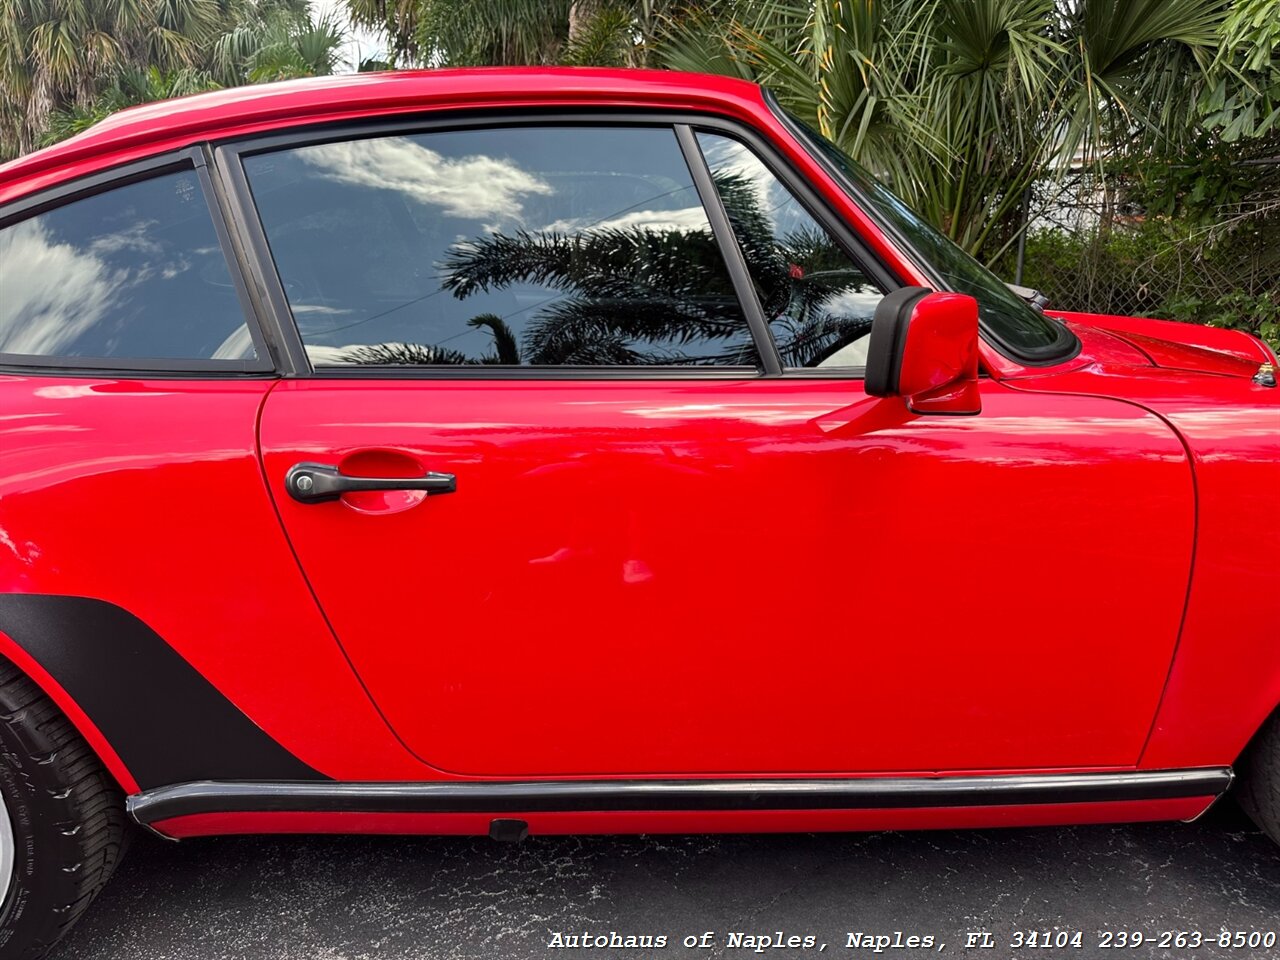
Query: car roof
{"type": "Point", "coordinates": [138, 132]}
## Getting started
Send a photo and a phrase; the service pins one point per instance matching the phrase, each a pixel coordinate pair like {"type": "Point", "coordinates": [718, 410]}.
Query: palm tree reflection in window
{"type": "Point", "coordinates": [815, 300]}
{"type": "Point", "coordinates": [505, 350]}
{"type": "Point", "coordinates": [637, 295]}
{"type": "Point", "coordinates": [630, 296]}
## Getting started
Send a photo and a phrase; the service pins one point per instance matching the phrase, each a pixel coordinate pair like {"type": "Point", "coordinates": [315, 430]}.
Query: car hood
{"type": "Point", "coordinates": [1181, 346]}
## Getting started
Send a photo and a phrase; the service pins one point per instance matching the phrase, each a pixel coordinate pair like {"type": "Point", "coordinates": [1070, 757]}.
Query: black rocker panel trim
{"type": "Point", "coordinates": [545, 796]}
{"type": "Point", "coordinates": [167, 722]}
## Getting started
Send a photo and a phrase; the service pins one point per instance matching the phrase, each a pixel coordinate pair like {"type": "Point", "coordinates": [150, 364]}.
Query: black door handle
{"type": "Point", "coordinates": [320, 482]}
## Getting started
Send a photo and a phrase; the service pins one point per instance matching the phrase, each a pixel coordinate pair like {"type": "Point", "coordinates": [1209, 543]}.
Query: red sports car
{"type": "Point", "coordinates": [548, 451]}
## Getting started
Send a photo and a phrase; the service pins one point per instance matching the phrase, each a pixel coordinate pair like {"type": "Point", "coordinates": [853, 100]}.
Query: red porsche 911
{"type": "Point", "coordinates": [584, 451]}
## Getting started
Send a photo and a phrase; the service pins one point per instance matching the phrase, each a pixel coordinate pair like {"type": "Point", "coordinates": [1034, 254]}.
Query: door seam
{"type": "Point", "coordinates": [306, 580]}
{"type": "Point", "coordinates": [1195, 540]}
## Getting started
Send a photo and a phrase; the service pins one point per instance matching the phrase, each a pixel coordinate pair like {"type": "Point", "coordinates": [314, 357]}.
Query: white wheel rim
{"type": "Point", "coordinates": [7, 852]}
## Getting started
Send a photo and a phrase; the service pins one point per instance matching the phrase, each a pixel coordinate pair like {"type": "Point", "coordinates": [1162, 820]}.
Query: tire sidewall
{"type": "Point", "coordinates": [22, 784]}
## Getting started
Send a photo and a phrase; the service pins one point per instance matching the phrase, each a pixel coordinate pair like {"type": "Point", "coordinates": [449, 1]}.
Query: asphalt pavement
{"type": "Point", "coordinates": [383, 898]}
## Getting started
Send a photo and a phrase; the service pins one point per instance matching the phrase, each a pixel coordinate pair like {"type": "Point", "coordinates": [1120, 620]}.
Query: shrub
{"type": "Point", "coordinates": [1143, 270]}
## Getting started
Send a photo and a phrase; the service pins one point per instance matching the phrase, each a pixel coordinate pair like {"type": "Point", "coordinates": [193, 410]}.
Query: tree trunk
{"type": "Point", "coordinates": [581, 13]}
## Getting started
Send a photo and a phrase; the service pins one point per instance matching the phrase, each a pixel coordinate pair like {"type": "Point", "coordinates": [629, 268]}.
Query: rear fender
{"type": "Point", "coordinates": [12, 651]}
{"type": "Point", "coordinates": [150, 716]}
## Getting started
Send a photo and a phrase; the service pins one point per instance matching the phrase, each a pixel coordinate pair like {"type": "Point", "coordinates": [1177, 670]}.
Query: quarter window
{"type": "Point", "coordinates": [516, 246]}
{"type": "Point", "coordinates": [818, 302]}
{"type": "Point", "coordinates": [135, 272]}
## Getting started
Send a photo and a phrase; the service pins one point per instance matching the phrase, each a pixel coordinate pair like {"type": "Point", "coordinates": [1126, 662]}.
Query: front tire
{"type": "Point", "coordinates": [62, 821]}
{"type": "Point", "coordinates": [1259, 788]}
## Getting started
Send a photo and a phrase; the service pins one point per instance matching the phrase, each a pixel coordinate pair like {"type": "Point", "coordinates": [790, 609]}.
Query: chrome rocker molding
{"type": "Point", "coordinates": [547, 796]}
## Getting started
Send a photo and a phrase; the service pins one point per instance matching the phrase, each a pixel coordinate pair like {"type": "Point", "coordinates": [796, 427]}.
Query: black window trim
{"type": "Point", "coordinates": [727, 241]}
{"type": "Point", "coordinates": [187, 159]}
{"type": "Point", "coordinates": [846, 238]}
{"type": "Point", "coordinates": [1065, 348]}
{"type": "Point", "coordinates": [277, 316]}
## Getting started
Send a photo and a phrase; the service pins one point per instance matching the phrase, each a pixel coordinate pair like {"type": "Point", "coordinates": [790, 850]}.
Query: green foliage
{"type": "Point", "coordinates": [846, 68]}
{"type": "Point", "coordinates": [439, 33]}
{"type": "Point", "coordinates": [1244, 98]}
{"type": "Point", "coordinates": [127, 88]}
{"type": "Point", "coordinates": [65, 64]}
{"type": "Point", "coordinates": [962, 104]}
{"type": "Point", "coordinates": [462, 33]}
{"type": "Point", "coordinates": [58, 54]}
{"type": "Point", "coordinates": [1147, 269]}
{"type": "Point", "coordinates": [274, 42]}
{"type": "Point", "coordinates": [1256, 313]}
{"type": "Point", "coordinates": [605, 38]}
{"type": "Point", "coordinates": [1196, 187]}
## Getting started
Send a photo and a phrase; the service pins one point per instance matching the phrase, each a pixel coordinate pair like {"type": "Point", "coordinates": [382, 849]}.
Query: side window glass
{"type": "Point", "coordinates": [557, 245]}
{"type": "Point", "coordinates": [818, 302]}
{"type": "Point", "coordinates": [135, 272]}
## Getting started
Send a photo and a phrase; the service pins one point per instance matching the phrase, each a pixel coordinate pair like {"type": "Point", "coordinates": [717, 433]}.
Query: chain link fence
{"type": "Point", "coordinates": [1088, 250]}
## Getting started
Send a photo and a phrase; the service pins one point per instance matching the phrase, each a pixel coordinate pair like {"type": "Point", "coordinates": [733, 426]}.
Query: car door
{"type": "Point", "coordinates": [586, 482]}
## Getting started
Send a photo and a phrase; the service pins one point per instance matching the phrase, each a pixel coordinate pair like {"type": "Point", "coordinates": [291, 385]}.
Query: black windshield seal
{"type": "Point", "coordinates": [1064, 345]}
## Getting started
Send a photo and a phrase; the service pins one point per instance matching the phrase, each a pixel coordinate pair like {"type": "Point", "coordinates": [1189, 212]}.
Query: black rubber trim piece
{"type": "Point", "coordinates": [167, 722]}
{"type": "Point", "coordinates": [545, 796]}
{"type": "Point", "coordinates": [730, 250]}
{"type": "Point", "coordinates": [889, 339]}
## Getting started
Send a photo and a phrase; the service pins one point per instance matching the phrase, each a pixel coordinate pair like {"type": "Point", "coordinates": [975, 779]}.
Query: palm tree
{"type": "Point", "coordinates": [54, 54]}
{"type": "Point", "coordinates": [463, 33]}
{"type": "Point", "coordinates": [438, 33]}
{"type": "Point", "coordinates": [277, 41]}
{"type": "Point", "coordinates": [64, 64]}
{"type": "Point", "coordinates": [963, 104]}
{"type": "Point", "coordinates": [128, 88]}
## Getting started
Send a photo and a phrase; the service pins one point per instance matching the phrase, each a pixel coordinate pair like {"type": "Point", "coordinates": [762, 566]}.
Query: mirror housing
{"type": "Point", "coordinates": [924, 348]}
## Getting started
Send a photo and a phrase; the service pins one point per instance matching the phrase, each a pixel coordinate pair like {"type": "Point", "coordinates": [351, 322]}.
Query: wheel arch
{"type": "Point", "coordinates": [1269, 718]}
{"type": "Point", "coordinates": [28, 666]}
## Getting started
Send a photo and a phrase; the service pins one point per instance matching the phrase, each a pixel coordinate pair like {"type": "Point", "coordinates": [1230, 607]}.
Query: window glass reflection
{"type": "Point", "coordinates": [523, 245]}
{"type": "Point", "coordinates": [818, 302]}
{"type": "Point", "coordinates": [135, 272]}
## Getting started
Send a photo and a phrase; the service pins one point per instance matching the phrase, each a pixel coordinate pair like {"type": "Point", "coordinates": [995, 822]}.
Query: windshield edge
{"type": "Point", "coordinates": [1065, 348]}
